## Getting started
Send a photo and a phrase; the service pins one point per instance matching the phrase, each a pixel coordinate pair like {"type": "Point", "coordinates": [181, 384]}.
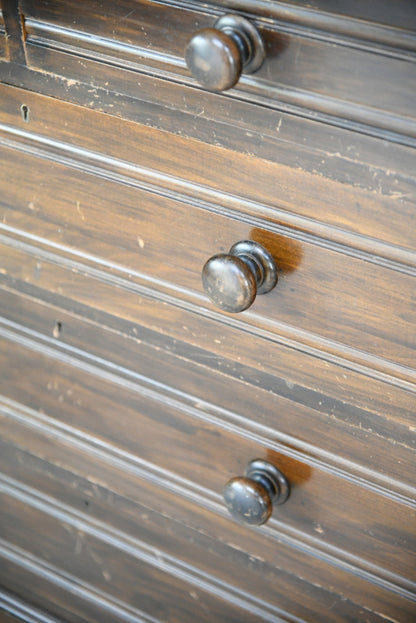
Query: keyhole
{"type": "Point", "coordinates": [25, 112]}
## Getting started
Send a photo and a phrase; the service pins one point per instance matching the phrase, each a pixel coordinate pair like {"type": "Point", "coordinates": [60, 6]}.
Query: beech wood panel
{"type": "Point", "coordinates": [145, 511]}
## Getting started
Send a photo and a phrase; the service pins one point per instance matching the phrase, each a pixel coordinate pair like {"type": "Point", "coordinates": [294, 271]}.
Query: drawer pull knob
{"type": "Point", "coordinates": [232, 280]}
{"type": "Point", "coordinates": [217, 56]}
{"type": "Point", "coordinates": [250, 499]}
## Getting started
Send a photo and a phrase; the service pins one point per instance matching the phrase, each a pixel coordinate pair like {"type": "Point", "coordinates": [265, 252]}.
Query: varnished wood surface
{"type": "Point", "coordinates": [15, 610]}
{"type": "Point", "coordinates": [198, 450]}
{"type": "Point", "coordinates": [293, 191]}
{"type": "Point", "coordinates": [124, 228]}
{"type": "Point", "coordinates": [370, 525]}
{"type": "Point", "coordinates": [133, 510]}
{"type": "Point", "coordinates": [299, 70]}
{"type": "Point", "coordinates": [2, 37]}
{"type": "Point", "coordinates": [128, 401]}
{"type": "Point", "coordinates": [274, 404]}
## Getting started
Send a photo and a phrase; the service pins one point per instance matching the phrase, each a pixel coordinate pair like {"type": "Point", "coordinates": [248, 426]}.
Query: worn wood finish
{"type": "Point", "coordinates": [127, 400]}
{"type": "Point", "coordinates": [134, 509]}
{"type": "Point", "coordinates": [13, 609]}
{"type": "Point", "coordinates": [124, 227]}
{"type": "Point", "coordinates": [299, 70]}
{"type": "Point", "coordinates": [197, 450]}
{"type": "Point", "coordinates": [312, 203]}
{"type": "Point", "coordinates": [2, 37]}
{"type": "Point", "coordinates": [337, 432]}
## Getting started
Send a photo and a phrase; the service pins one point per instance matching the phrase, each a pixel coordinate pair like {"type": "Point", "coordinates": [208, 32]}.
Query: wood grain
{"type": "Point", "coordinates": [314, 427]}
{"type": "Point", "coordinates": [2, 37]}
{"type": "Point", "coordinates": [127, 400]}
{"type": "Point", "coordinates": [15, 40]}
{"type": "Point", "coordinates": [288, 196]}
{"type": "Point", "coordinates": [137, 513]}
{"type": "Point", "coordinates": [320, 292]}
{"type": "Point", "coordinates": [72, 284]}
{"type": "Point", "coordinates": [195, 449]}
{"type": "Point", "coordinates": [298, 70]}
{"type": "Point", "coordinates": [13, 609]}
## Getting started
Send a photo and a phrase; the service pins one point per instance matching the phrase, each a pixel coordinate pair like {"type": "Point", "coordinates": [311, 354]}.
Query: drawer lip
{"type": "Point", "coordinates": [310, 217]}
{"type": "Point", "coordinates": [42, 569]}
{"type": "Point", "coordinates": [320, 19]}
{"type": "Point", "coordinates": [65, 262]}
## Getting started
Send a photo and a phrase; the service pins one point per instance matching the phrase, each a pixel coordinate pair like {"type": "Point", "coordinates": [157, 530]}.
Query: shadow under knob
{"type": "Point", "coordinates": [250, 498]}
{"type": "Point", "coordinates": [217, 56]}
{"type": "Point", "coordinates": [232, 280]}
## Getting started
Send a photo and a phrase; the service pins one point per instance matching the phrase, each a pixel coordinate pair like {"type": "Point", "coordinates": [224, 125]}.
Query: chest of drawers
{"type": "Point", "coordinates": [128, 398]}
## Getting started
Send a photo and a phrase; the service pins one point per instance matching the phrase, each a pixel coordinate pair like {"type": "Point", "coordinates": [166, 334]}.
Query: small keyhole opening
{"type": "Point", "coordinates": [57, 330]}
{"type": "Point", "coordinates": [25, 112]}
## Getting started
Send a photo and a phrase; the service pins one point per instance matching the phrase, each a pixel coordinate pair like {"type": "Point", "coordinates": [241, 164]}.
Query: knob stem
{"type": "Point", "coordinates": [242, 42]}
{"type": "Point", "coordinates": [271, 478]}
{"type": "Point", "coordinates": [247, 38]}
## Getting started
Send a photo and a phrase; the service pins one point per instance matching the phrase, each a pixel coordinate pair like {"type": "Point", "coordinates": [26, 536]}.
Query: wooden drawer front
{"type": "Point", "coordinates": [235, 158]}
{"type": "Point", "coordinates": [331, 425]}
{"type": "Point", "coordinates": [322, 293]}
{"type": "Point", "coordinates": [117, 578]}
{"type": "Point", "coordinates": [155, 428]}
{"type": "Point", "coordinates": [301, 67]}
{"type": "Point", "coordinates": [131, 523]}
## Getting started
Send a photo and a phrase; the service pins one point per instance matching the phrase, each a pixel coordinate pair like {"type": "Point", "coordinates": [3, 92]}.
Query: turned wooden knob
{"type": "Point", "coordinates": [217, 56]}
{"type": "Point", "coordinates": [232, 280]}
{"type": "Point", "coordinates": [250, 499]}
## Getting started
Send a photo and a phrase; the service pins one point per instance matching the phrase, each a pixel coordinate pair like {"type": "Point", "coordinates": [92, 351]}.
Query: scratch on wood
{"type": "Point", "coordinates": [80, 212]}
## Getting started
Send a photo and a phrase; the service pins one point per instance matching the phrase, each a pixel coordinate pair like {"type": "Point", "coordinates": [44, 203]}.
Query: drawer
{"type": "Point", "coordinates": [323, 293]}
{"type": "Point", "coordinates": [131, 523]}
{"type": "Point", "coordinates": [108, 578]}
{"type": "Point", "coordinates": [150, 426]}
{"type": "Point", "coordinates": [301, 68]}
{"type": "Point", "coordinates": [302, 177]}
{"type": "Point", "coordinates": [330, 425]}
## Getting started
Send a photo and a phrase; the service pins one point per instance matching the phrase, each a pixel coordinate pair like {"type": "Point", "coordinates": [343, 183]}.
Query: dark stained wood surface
{"type": "Point", "coordinates": [209, 455]}
{"type": "Point", "coordinates": [164, 508]}
{"type": "Point", "coordinates": [124, 228]}
{"type": "Point", "coordinates": [274, 405]}
{"type": "Point", "coordinates": [14, 610]}
{"type": "Point", "coordinates": [127, 400]}
{"type": "Point", "coordinates": [342, 202]}
{"type": "Point", "coordinates": [300, 70]}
